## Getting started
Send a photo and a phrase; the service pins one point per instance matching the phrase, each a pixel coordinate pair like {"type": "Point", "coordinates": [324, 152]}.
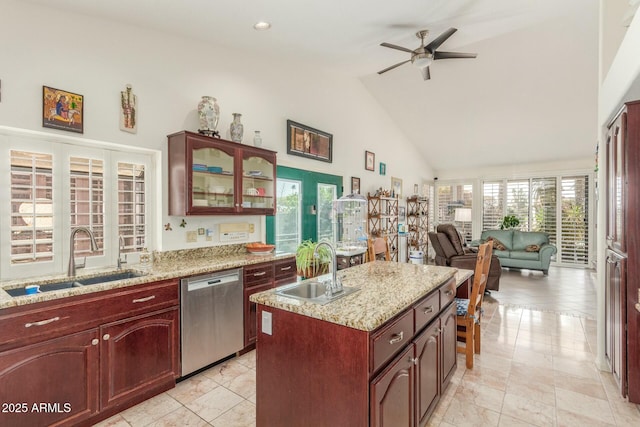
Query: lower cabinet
{"type": "Point", "coordinates": [128, 351]}
{"type": "Point", "coordinates": [50, 383]}
{"type": "Point", "coordinates": [408, 390]}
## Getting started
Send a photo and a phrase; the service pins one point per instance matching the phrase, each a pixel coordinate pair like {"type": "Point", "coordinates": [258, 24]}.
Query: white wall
{"type": "Point", "coordinates": [169, 74]}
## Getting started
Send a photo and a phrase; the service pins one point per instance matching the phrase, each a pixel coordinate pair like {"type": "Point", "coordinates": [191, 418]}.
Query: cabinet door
{"type": "Point", "coordinates": [616, 175]}
{"type": "Point", "coordinates": [250, 319]}
{"type": "Point", "coordinates": [392, 393]}
{"type": "Point", "coordinates": [258, 182]}
{"type": "Point", "coordinates": [427, 372]}
{"type": "Point", "coordinates": [615, 333]}
{"type": "Point", "coordinates": [51, 383]}
{"type": "Point", "coordinates": [212, 171]}
{"type": "Point", "coordinates": [449, 359]}
{"type": "Point", "coordinates": [137, 355]}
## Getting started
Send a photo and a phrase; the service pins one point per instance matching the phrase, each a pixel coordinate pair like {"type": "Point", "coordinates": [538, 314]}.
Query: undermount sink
{"type": "Point", "coordinates": [75, 283]}
{"type": "Point", "coordinates": [313, 291]}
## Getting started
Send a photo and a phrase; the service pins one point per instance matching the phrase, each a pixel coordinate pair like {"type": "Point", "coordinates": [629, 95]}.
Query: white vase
{"type": "Point", "coordinates": [236, 128]}
{"type": "Point", "coordinates": [209, 114]}
{"type": "Point", "coordinates": [257, 139]}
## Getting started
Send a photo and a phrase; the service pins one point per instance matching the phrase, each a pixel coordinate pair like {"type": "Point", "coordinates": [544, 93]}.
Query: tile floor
{"type": "Point", "coordinates": [536, 369]}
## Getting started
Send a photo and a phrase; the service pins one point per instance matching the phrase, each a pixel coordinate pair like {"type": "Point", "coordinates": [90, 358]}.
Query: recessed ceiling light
{"type": "Point", "coordinates": [262, 25]}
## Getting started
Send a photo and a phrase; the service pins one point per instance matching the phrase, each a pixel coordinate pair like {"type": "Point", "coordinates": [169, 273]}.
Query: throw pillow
{"type": "Point", "coordinates": [497, 244]}
{"type": "Point", "coordinates": [532, 248]}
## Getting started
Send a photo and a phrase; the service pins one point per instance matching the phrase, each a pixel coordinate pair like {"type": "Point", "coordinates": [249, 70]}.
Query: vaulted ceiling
{"type": "Point", "coordinates": [529, 96]}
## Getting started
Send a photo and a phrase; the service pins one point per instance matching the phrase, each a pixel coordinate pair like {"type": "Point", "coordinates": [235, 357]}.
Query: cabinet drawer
{"type": "Point", "coordinates": [391, 339]}
{"type": "Point", "coordinates": [258, 274]}
{"type": "Point", "coordinates": [447, 292]}
{"type": "Point", "coordinates": [285, 269]}
{"type": "Point", "coordinates": [426, 310]}
{"type": "Point", "coordinates": [140, 299]}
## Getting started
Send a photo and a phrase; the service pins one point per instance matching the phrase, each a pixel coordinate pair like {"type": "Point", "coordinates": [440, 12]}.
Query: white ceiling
{"type": "Point", "coordinates": [530, 96]}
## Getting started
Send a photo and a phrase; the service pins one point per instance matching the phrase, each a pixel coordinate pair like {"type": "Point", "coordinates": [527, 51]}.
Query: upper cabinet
{"type": "Point", "coordinates": [212, 176]}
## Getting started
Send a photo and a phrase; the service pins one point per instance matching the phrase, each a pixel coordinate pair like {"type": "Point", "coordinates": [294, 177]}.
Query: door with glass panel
{"type": "Point", "coordinates": [303, 201]}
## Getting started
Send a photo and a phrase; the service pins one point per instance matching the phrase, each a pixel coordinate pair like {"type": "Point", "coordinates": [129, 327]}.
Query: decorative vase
{"type": "Point", "coordinates": [209, 114]}
{"type": "Point", "coordinates": [257, 139]}
{"type": "Point", "coordinates": [237, 129]}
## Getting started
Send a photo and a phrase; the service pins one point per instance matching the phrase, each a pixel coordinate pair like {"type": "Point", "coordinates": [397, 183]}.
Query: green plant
{"type": "Point", "coordinates": [307, 264]}
{"type": "Point", "coordinates": [509, 222]}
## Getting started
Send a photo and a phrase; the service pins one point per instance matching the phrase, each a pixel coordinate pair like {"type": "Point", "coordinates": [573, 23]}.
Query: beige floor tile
{"type": "Point", "coordinates": [589, 386]}
{"type": "Point", "coordinates": [528, 410]}
{"type": "Point", "coordinates": [225, 373]}
{"type": "Point", "coordinates": [508, 421]}
{"type": "Point", "coordinates": [248, 359]}
{"type": "Point", "coordinates": [584, 405]}
{"type": "Point", "coordinates": [524, 373]}
{"type": "Point", "coordinates": [538, 391]}
{"type": "Point", "coordinates": [241, 415]}
{"type": "Point", "coordinates": [533, 358]}
{"type": "Point", "coordinates": [480, 395]}
{"type": "Point", "coordinates": [150, 410]}
{"type": "Point", "coordinates": [192, 388]}
{"type": "Point", "coordinates": [583, 369]}
{"type": "Point", "coordinates": [115, 421]}
{"type": "Point", "coordinates": [488, 377]}
{"type": "Point", "coordinates": [179, 418]}
{"type": "Point", "coordinates": [462, 414]}
{"type": "Point", "coordinates": [571, 419]}
{"type": "Point", "coordinates": [214, 403]}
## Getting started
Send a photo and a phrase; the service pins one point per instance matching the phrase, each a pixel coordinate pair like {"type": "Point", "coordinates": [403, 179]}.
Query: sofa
{"type": "Point", "coordinates": [520, 249]}
{"type": "Point", "coordinates": [451, 251]}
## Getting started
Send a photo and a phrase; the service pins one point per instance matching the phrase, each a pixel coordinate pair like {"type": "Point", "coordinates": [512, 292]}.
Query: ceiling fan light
{"type": "Point", "coordinates": [262, 25]}
{"type": "Point", "coordinates": [422, 60]}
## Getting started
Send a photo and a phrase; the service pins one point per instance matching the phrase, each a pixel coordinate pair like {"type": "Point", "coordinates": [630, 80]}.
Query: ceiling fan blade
{"type": "Point", "coordinates": [394, 46]}
{"type": "Point", "coordinates": [425, 73]}
{"type": "Point", "coordinates": [435, 43]}
{"type": "Point", "coordinates": [452, 55]}
{"type": "Point", "coordinates": [394, 66]}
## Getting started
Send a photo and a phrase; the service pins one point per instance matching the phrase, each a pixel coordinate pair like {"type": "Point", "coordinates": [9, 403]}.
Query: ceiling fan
{"type": "Point", "coordinates": [423, 56]}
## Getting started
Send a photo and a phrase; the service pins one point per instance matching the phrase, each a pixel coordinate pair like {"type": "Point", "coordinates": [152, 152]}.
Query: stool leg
{"type": "Point", "coordinates": [476, 338]}
{"type": "Point", "coordinates": [469, 344]}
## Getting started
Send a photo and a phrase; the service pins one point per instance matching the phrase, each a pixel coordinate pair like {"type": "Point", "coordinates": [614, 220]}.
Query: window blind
{"type": "Point", "coordinates": [574, 222]}
{"type": "Point", "coordinates": [131, 205]}
{"type": "Point", "coordinates": [87, 202]}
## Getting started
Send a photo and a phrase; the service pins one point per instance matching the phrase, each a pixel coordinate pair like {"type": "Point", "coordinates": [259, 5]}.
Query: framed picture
{"type": "Point", "coordinates": [369, 161]}
{"type": "Point", "coordinates": [402, 214]}
{"type": "Point", "coordinates": [396, 187]}
{"type": "Point", "coordinates": [305, 141]}
{"type": "Point", "coordinates": [355, 185]}
{"type": "Point", "coordinates": [62, 110]}
{"type": "Point", "coordinates": [383, 168]}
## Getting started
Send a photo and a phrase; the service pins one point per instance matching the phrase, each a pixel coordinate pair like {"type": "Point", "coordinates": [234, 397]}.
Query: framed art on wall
{"type": "Point", "coordinates": [396, 187]}
{"type": "Point", "coordinates": [355, 185]}
{"type": "Point", "coordinates": [369, 161]}
{"type": "Point", "coordinates": [383, 168]}
{"type": "Point", "coordinates": [62, 110]}
{"type": "Point", "coordinates": [305, 141]}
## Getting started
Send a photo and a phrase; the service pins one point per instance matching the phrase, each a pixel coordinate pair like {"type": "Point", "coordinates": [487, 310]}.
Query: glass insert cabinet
{"type": "Point", "coordinates": [209, 176]}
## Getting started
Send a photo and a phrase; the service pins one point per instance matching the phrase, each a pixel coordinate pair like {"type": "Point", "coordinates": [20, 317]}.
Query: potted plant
{"type": "Point", "coordinates": [509, 222]}
{"type": "Point", "coordinates": [307, 264]}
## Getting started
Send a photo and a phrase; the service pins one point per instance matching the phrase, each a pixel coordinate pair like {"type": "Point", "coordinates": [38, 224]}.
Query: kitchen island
{"type": "Point", "coordinates": [380, 356]}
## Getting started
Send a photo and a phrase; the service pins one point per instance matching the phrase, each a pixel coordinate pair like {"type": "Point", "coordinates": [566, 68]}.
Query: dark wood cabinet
{"type": "Point", "coordinates": [622, 287]}
{"type": "Point", "coordinates": [138, 355]}
{"type": "Point", "coordinates": [212, 176]}
{"type": "Point", "coordinates": [60, 373]}
{"type": "Point", "coordinates": [449, 357]}
{"type": "Point", "coordinates": [100, 353]}
{"type": "Point", "coordinates": [428, 367]}
{"type": "Point", "coordinates": [346, 261]}
{"type": "Point", "coordinates": [392, 393]}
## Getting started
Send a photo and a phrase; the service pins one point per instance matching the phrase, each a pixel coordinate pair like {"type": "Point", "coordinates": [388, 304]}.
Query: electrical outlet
{"type": "Point", "coordinates": [267, 323]}
{"type": "Point", "coordinates": [192, 236]}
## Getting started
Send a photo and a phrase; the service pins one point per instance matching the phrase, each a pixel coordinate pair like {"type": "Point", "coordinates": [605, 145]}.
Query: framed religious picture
{"type": "Point", "coordinates": [369, 161]}
{"type": "Point", "coordinates": [305, 141]}
{"type": "Point", "coordinates": [62, 110]}
{"type": "Point", "coordinates": [355, 185]}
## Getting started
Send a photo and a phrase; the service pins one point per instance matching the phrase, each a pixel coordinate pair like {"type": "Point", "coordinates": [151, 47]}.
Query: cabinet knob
{"type": "Point", "coordinates": [106, 337]}
{"type": "Point", "coordinates": [95, 341]}
{"type": "Point", "coordinates": [413, 360]}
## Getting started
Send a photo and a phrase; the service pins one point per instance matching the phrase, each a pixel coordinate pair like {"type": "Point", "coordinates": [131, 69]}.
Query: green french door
{"type": "Point", "coordinates": [303, 207]}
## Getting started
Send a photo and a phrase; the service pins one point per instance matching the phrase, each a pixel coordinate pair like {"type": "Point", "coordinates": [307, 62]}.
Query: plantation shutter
{"type": "Point", "coordinates": [574, 221]}
{"type": "Point", "coordinates": [87, 202]}
{"type": "Point", "coordinates": [543, 206]}
{"type": "Point", "coordinates": [131, 205]}
{"type": "Point", "coordinates": [492, 204]}
{"type": "Point", "coordinates": [518, 202]}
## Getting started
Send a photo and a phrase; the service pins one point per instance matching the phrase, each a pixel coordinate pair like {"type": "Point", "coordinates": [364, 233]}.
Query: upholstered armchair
{"type": "Point", "coordinates": [450, 252]}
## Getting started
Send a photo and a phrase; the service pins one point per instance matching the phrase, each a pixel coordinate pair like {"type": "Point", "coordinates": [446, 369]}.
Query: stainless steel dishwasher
{"type": "Point", "coordinates": [211, 318]}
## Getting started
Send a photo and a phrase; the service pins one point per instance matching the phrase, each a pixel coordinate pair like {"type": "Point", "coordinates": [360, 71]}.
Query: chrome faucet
{"type": "Point", "coordinates": [336, 284]}
{"type": "Point", "coordinates": [120, 249]}
{"type": "Point", "coordinates": [72, 261]}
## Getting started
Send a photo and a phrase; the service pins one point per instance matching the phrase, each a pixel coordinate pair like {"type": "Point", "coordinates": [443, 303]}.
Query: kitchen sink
{"type": "Point", "coordinates": [48, 287]}
{"type": "Point", "coordinates": [313, 291]}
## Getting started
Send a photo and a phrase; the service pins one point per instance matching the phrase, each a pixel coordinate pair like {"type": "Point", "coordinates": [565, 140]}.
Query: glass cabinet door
{"type": "Point", "coordinates": [213, 179]}
{"type": "Point", "coordinates": [258, 173]}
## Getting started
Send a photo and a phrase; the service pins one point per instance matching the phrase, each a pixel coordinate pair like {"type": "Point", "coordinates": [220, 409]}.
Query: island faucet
{"type": "Point", "coordinates": [72, 261]}
{"type": "Point", "coordinates": [336, 284]}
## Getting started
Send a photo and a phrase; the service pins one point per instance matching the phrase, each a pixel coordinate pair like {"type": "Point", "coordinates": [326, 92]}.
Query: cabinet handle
{"type": "Point", "coordinates": [449, 293]}
{"type": "Point", "coordinates": [612, 260]}
{"type": "Point", "coordinates": [95, 341]}
{"type": "Point", "coordinates": [428, 310]}
{"type": "Point", "coordinates": [262, 273]}
{"type": "Point", "coordinates": [413, 360]}
{"type": "Point", "coordinates": [106, 337]}
{"type": "Point", "coordinates": [42, 322]}
{"type": "Point", "coordinates": [395, 338]}
{"type": "Point", "coordinates": [637, 306]}
{"type": "Point", "coordinates": [145, 299]}
{"type": "Point", "coordinates": [285, 268]}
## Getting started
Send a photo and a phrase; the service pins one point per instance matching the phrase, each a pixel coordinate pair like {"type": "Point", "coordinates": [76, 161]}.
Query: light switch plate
{"type": "Point", "coordinates": [267, 325]}
{"type": "Point", "coordinates": [192, 236]}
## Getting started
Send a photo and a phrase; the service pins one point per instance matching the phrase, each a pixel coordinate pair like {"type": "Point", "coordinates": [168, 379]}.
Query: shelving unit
{"type": "Point", "coordinates": [417, 225]}
{"type": "Point", "coordinates": [383, 220]}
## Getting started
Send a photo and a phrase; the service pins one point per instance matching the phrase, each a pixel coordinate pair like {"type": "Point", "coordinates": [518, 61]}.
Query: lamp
{"type": "Point", "coordinates": [463, 215]}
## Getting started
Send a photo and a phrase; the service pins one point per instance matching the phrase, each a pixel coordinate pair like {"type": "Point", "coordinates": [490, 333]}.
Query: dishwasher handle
{"type": "Point", "coordinates": [212, 281]}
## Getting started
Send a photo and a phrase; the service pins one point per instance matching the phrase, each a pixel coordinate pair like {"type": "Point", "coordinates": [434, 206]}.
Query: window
{"type": "Point", "coordinates": [326, 194]}
{"type": "Point", "coordinates": [131, 206]}
{"type": "Point", "coordinates": [31, 207]}
{"type": "Point", "coordinates": [289, 205]}
{"type": "Point", "coordinates": [86, 188]}
{"type": "Point", "coordinates": [574, 230]}
{"type": "Point", "coordinates": [451, 197]}
{"type": "Point", "coordinates": [492, 205]}
{"type": "Point", "coordinates": [518, 201]}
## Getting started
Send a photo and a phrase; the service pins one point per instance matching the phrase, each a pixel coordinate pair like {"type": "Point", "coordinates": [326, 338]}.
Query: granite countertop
{"type": "Point", "coordinates": [386, 289]}
{"type": "Point", "coordinates": [166, 265]}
